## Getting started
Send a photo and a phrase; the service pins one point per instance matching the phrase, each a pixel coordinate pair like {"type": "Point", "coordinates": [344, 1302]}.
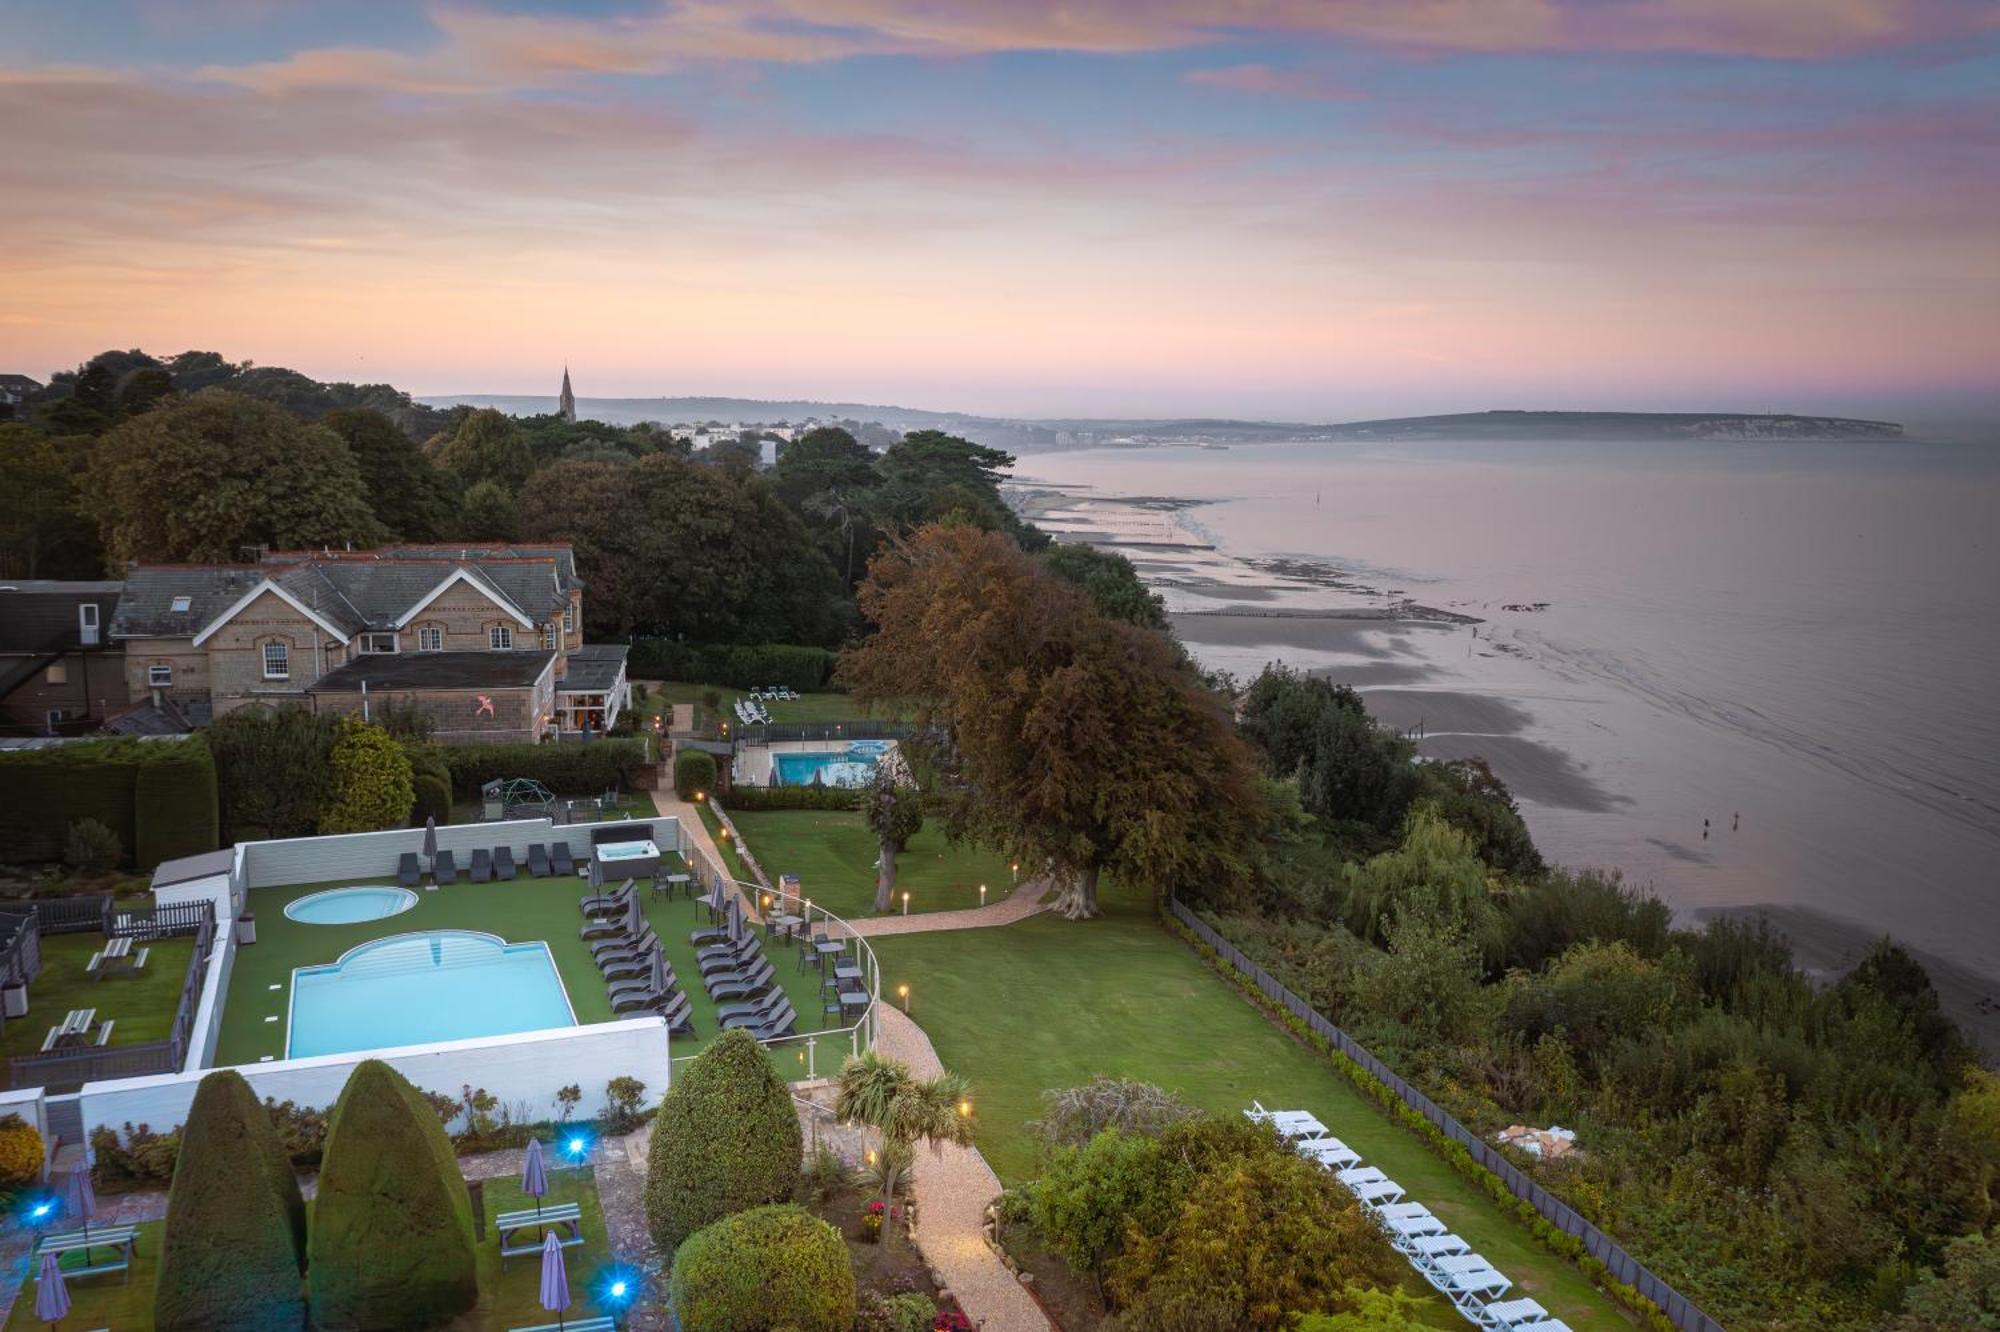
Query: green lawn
{"type": "Point", "coordinates": [141, 1004]}
{"type": "Point", "coordinates": [253, 1023]}
{"type": "Point", "coordinates": [507, 1299]}
{"type": "Point", "coordinates": [833, 853]}
{"type": "Point", "coordinates": [828, 707]}
{"type": "Point", "coordinates": [1049, 1003]}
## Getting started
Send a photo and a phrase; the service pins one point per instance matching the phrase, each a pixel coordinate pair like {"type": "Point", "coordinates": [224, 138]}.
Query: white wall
{"type": "Point", "coordinates": [362, 855]}
{"type": "Point", "coordinates": [526, 1067]}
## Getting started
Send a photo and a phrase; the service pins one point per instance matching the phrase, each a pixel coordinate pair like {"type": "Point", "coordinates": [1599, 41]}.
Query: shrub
{"type": "Point", "coordinates": [138, 1158]}
{"type": "Point", "coordinates": [908, 1312]}
{"type": "Point", "coordinates": [725, 1138]}
{"type": "Point", "coordinates": [236, 1225]}
{"type": "Point", "coordinates": [769, 1267]}
{"type": "Point", "coordinates": [91, 847]}
{"type": "Point", "coordinates": [806, 669]}
{"type": "Point", "coordinates": [392, 1226]}
{"type": "Point", "coordinates": [694, 770]}
{"type": "Point", "coordinates": [371, 781]}
{"type": "Point", "coordinates": [1072, 1116]}
{"type": "Point", "coordinates": [590, 769]}
{"type": "Point", "coordinates": [20, 1152]}
{"type": "Point", "coordinates": [273, 770]}
{"type": "Point", "coordinates": [431, 799]}
{"type": "Point", "coordinates": [621, 1104]}
{"type": "Point", "coordinates": [792, 797]}
{"type": "Point", "coordinates": [1088, 1197]}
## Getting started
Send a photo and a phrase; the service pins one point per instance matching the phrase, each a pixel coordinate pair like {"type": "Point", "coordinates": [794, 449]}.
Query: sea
{"type": "Point", "coordinates": [1748, 675]}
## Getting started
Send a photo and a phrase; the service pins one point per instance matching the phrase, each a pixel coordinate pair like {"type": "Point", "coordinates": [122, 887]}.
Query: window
{"type": "Point", "coordinates": [181, 604]}
{"type": "Point", "coordinates": [376, 644]}
{"type": "Point", "coordinates": [500, 638]}
{"type": "Point", "coordinates": [569, 619]}
{"type": "Point", "coordinates": [57, 674]}
{"type": "Point", "coordinates": [277, 661]}
{"type": "Point", "coordinates": [160, 676]}
{"type": "Point", "coordinates": [57, 716]}
{"type": "Point", "coordinates": [549, 636]}
{"type": "Point", "coordinates": [430, 638]}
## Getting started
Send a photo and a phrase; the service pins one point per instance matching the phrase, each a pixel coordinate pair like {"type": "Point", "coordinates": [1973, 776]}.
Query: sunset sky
{"type": "Point", "coordinates": [1304, 209]}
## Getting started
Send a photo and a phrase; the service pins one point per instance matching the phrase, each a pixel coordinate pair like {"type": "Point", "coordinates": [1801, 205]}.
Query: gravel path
{"type": "Point", "coordinates": [1023, 902]}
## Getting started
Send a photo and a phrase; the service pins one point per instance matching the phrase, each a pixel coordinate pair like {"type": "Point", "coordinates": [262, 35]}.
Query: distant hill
{"type": "Point", "coordinates": [631, 411]}
{"type": "Point", "coordinates": [1617, 425]}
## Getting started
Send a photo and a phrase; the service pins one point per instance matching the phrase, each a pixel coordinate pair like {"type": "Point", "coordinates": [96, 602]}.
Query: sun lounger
{"type": "Point", "coordinates": [559, 858]}
{"type": "Point", "coordinates": [625, 945]}
{"type": "Point", "coordinates": [756, 978]}
{"type": "Point", "coordinates": [482, 865]}
{"type": "Point", "coordinates": [636, 967]}
{"type": "Point", "coordinates": [603, 927]}
{"type": "Point", "coordinates": [1329, 1152]}
{"type": "Point", "coordinates": [444, 868]}
{"type": "Point", "coordinates": [1405, 1231]}
{"type": "Point", "coordinates": [503, 862]}
{"type": "Point", "coordinates": [611, 903]}
{"type": "Point", "coordinates": [538, 861]}
{"type": "Point", "coordinates": [409, 869]}
{"type": "Point", "coordinates": [756, 1010]}
{"type": "Point", "coordinates": [716, 961]}
{"type": "Point", "coordinates": [1429, 1250]}
{"type": "Point", "coordinates": [783, 1022]}
{"type": "Point", "coordinates": [1522, 1316]}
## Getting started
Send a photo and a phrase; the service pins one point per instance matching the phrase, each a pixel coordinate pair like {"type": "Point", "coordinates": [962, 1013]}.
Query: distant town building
{"type": "Point", "coordinates": [566, 400]}
{"type": "Point", "coordinates": [15, 390]}
{"type": "Point", "coordinates": [60, 673]}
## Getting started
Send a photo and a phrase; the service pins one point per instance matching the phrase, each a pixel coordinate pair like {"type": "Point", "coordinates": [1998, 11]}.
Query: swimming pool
{"type": "Point", "coordinates": [408, 989]}
{"type": "Point", "coordinates": [852, 766]}
{"type": "Point", "coordinates": [347, 906]}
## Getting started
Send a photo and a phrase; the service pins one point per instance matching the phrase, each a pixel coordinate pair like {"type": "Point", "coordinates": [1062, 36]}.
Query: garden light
{"type": "Point", "coordinates": [906, 904]}
{"type": "Point", "coordinates": [965, 1109]}
{"type": "Point", "coordinates": [700, 796]}
{"type": "Point", "coordinates": [903, 993]}
{"type": "Point", "coordinates": [982, 894]}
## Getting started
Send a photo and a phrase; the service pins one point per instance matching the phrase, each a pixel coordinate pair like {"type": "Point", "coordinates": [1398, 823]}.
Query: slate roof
{"type": "Point", "coordinates": [172, 715]}
{"type": "Point", "coordinates": [390, 671]}
{"type": "Point", "coordinates": [593, 668]}
{"type": "Point", "coordinates": [19, 383]}
{"type": "Point", "coordinates": [146, 609]}
{"type": "Point", "coordinates": [39, 616]}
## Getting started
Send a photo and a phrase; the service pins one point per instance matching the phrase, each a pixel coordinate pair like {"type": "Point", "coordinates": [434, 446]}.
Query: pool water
{"type": "Point", "coordinates": [409, 989]}
{"type": "Point", "coordinates": [348, 906]}
{"type": "Point", "coordinates": [852, 766]}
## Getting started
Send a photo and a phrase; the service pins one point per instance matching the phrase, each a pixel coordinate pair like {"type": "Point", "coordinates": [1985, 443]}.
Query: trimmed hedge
{"type": "Point", "coordinates": [794, 797]}
{"type": "Point", "coordinates": [430, 783]}
{"type": "Point", "coordinates": [159, 796]}
{"type": "Point", "coordinates": [589, 768]}
{"type": "Point", "coordinates": [743, 666]}
{"type": "Point", "coordinates": [726, 1138]}
{"type": "Point", "coordinates": [769, 1267]}
{"type": "Point", "coordinates": [694, 770]}
{"type": "Point", "coordinates": [236, 1225]}
{"type": "Point", "coordinates": [392, 1226]}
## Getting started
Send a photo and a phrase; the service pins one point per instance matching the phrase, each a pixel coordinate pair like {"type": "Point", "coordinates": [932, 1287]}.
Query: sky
{"type": "Point", "coordinates": [1286, 209]}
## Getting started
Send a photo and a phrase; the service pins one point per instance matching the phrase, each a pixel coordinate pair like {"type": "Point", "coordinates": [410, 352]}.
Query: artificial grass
{"type": "Point", "coordinates": [519, 911]}
{"type": "Point", "coordinates": [827, 707]}
{"type": "Point", "coordinates": [1048, 1002]}
{"type": "Point", "coordinates": [507, 1299]}
{"type": "Point", "coordinates": [142, 1004]}
{"type": "Point", "coordinates": [833, 853]}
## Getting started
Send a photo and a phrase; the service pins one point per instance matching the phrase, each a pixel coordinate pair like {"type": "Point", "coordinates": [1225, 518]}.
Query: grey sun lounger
{"type": "Point", "coordinates": [618, 989]}
{"type": "Point", "coordinates": [538, 861]}
{"type": "Point", "coordinates": [503, 862]}
{"type": "Point", "coordinates": [559, 858]}
{"type": "Point", "coordinates": [781, 1021]}
{"type": "Point", "coordinates": [606, 904]}
{"type": "Point", "coordinates": [757, 1010]}
{"type": "Point", "coordinates": [445, 868]}
{"type": "Point", "coordinates": [754, 979]}
{"type": "Point", "coordinates": [628, 967]}
{"type": "Point", "coordinates": [676, 1008]}
{"type": "Point", "coordinates": [482, 865]}
{"type": "Point", "coordinates": [711, 961]}
{"type": "Point", "coordinates": [409, 870]}
{"type": "Point", "coordinates": [604, 927]}
{"type": "Point", "coordinates": [604, 950]}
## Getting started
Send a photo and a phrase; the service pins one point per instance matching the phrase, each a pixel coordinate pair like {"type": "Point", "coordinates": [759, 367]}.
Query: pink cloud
{"type": "Point", "coordinates": [1304, 85]}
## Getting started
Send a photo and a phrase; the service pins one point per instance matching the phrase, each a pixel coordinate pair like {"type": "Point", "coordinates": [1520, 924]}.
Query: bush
{"type": "Point", "coordinates": [20, 1152]}
{"type": "Point", "coordinates": [792, 797]}
{"type": "Point", "coordinates": [806, 669]}
{"type": "Point", "coordinates": [770, 1267]}
{"type": "Point", "coordinates": [910, 1312]}
{"type": "Point", "coordinates": [236, 1225]}
{"type": "Point", "coordinates": [1088, 1197]}
{"type": "Point", "coordinates": [392, 1226]}
{"type": "Point", "coordinates": [371, 781]}
{"type": "Point", "coordinates": [91, 847]}
{"type": "Point", "coordinates": [694, 770]}
{"type": "Point", "coordinates": [138, 1158]}
{"type": "Point", "coordinates": [1072, 1116]}
{"type": "Point", "coordinates": [725, 1138]}
{"type": "Point", "coordinates": [44, 791]}
{"type": "Point", "coordinates": [273, 770]}
{"type": "Point", "coordinates": [572, 769]}
{"type": "Point", "coordinates": [432, 799]}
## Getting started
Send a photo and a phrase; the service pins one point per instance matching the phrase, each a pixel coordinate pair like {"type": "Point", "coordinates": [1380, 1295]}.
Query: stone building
{"type": "Point", "coordinates": [60, 673]}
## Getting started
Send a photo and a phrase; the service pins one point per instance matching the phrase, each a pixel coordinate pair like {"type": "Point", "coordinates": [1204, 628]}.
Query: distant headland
{"type": "Point", "coordinates": [1618, 425]}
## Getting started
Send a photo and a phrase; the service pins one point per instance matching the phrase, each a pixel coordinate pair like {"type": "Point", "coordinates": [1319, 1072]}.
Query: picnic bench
{"type": "Point", "coordinates": [565, 1217]}
{"type": "Point", "coordinates": [75, 1030]}
{"type": "Point", "coordinates": [123, 1239]}
{"type": "Point", "coordinates": [116, 958]}
{"type": "Point", "coordinates": [574, 1325]}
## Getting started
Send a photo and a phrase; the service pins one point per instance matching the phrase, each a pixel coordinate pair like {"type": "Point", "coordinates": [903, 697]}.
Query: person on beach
{"type": "Point", "coordinates": [1735, 820]}
{"type": "Point", "coordinates": [1704, 830]}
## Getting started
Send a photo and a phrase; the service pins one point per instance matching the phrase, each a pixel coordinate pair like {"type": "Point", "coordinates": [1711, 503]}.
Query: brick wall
{"type": "Point", "coordinates": [93, 683]}
{"type": "Point", "coordinates": [190, 665]}
{"type": "Point", "coordinates": [457, 714]}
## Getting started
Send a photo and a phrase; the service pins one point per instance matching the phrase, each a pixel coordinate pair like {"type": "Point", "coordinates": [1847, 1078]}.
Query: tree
{"type": "Point", "coordinates": [768, 1267]}
{"type": "Point", "coordinates": [1963, 1297]}
{"type": "Point", "coordinates": [489, 513]}
{"type": "Point", "coordinates": [885, 1095]}
{"type": "Point", "coordinates": [895, 814]}
{"type": "Point", "coordinates": [235, 1242]}
{"type": "Point", "coordinates": [391, 1241]}
{"type": "Point", "coordinates": [1090, 1197]}
{"type": "Point", "coordinates": [1350, 771]}
{"type": "Point", "coordinates": [371, 780]}
{"type": "Point", "coordinates": [201, 478]}
{"type": "Point", "coordinates": [43, 531]}
{"type": "Point", "coordinates": [142, 390]}
{"type": "Point", "coordinates": [1111, 581]}
{"type": "Point", "coordinates": [929, 475]}
{"type": "Point", "coordinates": [485, 445]}
{"type": "Point", "coordinates": [1074, 741]}
{"type": "Point", "coordinates": [1436, 869]}
{"type": "Point", "coordinates": [273, 770]}
{"type": "Point", "coordinates": [1072, 1116]}
{"type": "Point", "coordinates": [829, 480]}
{"type": "Point", "coordinates": [408, 496]}
{"type": "Point", "coordinates": [726, 1138]}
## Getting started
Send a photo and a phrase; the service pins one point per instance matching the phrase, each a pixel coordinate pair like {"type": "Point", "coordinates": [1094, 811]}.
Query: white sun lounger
{"type": "Point", "coordinates": [1330, 1152]}
{"type": "Point", "coordinates": [1380, 1192]}
{"type": "Point", "coordinates": [1405, 1231]}
{"type": "Point", "coordinates": [1522, 1316]}
{"type": "Point", "coordinates": [1298, 1125]}
{"type": "Point", "coordinates": [1467, 1281]}
{"type": "Point", "coordinates": [1429, 1250]}
{"type": "Point", "coordinates": [1396, 1211]}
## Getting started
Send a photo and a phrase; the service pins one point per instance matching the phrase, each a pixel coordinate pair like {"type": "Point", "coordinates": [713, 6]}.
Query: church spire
{"type": "Point", "coordinates": [566, 403]}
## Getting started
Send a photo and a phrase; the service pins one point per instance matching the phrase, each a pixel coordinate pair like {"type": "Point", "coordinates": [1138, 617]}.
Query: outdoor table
{"type": "Point", "coordinates": [566, 1218]}
{"type": "Point", "coordinates": [847, 970]}
{"type": "Point", "coordinates": [124, 1239]}
{"type": "Point", "coordinates": [116, 958]}
{"type": "Point", "coordinates": [826, 948]}
{"type": "Point", "coordinates": [75, 1029]}
{"type": "Point", "coordinates": [788, 925]}
{"type": "Point", "coordinates": [676, 883]}
{"type": "Point", "coordinates": [853, 999]}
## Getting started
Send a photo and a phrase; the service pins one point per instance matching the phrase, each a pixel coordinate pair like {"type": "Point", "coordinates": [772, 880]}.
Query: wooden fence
{"type": "Point", "coordinates": [1623, 1267]}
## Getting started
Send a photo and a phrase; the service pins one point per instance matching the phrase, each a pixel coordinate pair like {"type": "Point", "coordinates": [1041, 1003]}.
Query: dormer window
{"type": "Point", "coordinates": [377, 644]}
{"type": "Point", "coordinates": [181, 605]}
{"type": "Point", "coordinates": [500, 638]}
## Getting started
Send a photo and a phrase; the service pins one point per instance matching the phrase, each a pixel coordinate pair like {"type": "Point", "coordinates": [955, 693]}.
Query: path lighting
{"type": "Point", "coordinates": [965, 1109]}
{"type": "Point", "coordinates": [982, 894]}
{"type": "Point", "coordinates": [700, 796]}
{"type": "Point", "coordinates": [903, 993]}
{"type": "Point", "coordinates": [906, 904]}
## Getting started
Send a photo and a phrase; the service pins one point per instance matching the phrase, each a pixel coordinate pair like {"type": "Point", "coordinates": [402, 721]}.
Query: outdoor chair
{"type": "Point", "coordinates": [559, 858]}
{"type": "Point", "coordinates": [629, 967]}
{"type": "Point", "coordinates": [482, 865]}
{"type": "Point", "coordinates": [538, 861]}
{"type": "Point", "coordinates": [611, 903]}
{"type": "Point", "coordinates": [643, 986]}
{"type": "Point", "coordinates": [753, 979]}
{"type": "Point", "coordinates": [409, 869]}
{"type": "Point", "coordinates": [711, 961]}
{"type": "Point", "coordinates": [606, 949]}
{"type": "Point", "coordinates": [782, 1022]}
{"type": "Point", "coordinates": [503, 862]}
{"type": "Point", "coordinates": [757, 1010]}
{"type": "Point", "coordinates": [444, 867]}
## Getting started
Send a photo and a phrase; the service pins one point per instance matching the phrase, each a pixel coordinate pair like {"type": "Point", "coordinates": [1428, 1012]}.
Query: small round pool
{"type": "Point", "coordinates": [350, 906]}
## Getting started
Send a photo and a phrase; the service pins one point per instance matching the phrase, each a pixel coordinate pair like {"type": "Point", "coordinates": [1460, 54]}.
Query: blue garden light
{"type": "Point", "coordinates": [40, 1210]}
{"type": "Point", "coordinates": [616, 1288]}
{"type": "Point", "coordinates": [575, 1147]}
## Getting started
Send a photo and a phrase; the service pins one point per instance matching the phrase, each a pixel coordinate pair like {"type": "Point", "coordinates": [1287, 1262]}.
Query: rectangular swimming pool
{"type": "Point", "coordinates": [410, 989]}
{"type": "Point", "coordinates": [836, 767]}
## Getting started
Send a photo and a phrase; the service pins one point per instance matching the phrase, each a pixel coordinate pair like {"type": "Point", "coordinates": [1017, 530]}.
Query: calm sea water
{"type": "Point", "coordinates": [1798, 642]}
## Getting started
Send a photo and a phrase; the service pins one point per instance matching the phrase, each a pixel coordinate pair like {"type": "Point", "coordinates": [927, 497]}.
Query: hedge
{"type": "Point", "coordinates": [765, 1268]}
{"type": "Point", "coordinates": [794, 797]}
{"type": "Point", "coordinates": [173, 813]}
{"type": "Point", "coordinates": [588, 768]}
{"type": "Point", "coordinates": [392, 1227]}
{"type": "Point", "coordinates": [747, 666]}
{"type": "Point", "coordinates": [726, 1138]}
{"type": "Point", "coordinates": [694, 770]}
{"type": "Point", "coordinates": [236, 1225]}
{"type": "Point", "coordinates": [430, 782]}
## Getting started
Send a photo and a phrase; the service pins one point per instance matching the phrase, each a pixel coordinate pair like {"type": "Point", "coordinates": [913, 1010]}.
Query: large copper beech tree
{"type": "Point", "coordinates": [1071, 740]}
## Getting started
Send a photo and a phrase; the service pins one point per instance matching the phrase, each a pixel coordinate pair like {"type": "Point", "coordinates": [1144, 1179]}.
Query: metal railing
{"type": "Point", "coordinates": [21, 954]}
{"type": "Point", "coordinates": [1678, 1308]}
{"type": "Point", "coordinates": [862, 728]}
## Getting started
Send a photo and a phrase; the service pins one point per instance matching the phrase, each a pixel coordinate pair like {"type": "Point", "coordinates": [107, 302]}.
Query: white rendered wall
{"type": "Point", "coordinates": [375, 854]}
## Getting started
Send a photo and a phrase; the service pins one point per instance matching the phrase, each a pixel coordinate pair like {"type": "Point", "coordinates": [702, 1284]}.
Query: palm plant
{"type": "Point", "coordinates": [885, 1095]}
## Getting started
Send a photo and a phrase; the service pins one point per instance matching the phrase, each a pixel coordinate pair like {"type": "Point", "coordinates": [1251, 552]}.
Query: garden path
{"type": "Point", "coordinates": [1023, 902]}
